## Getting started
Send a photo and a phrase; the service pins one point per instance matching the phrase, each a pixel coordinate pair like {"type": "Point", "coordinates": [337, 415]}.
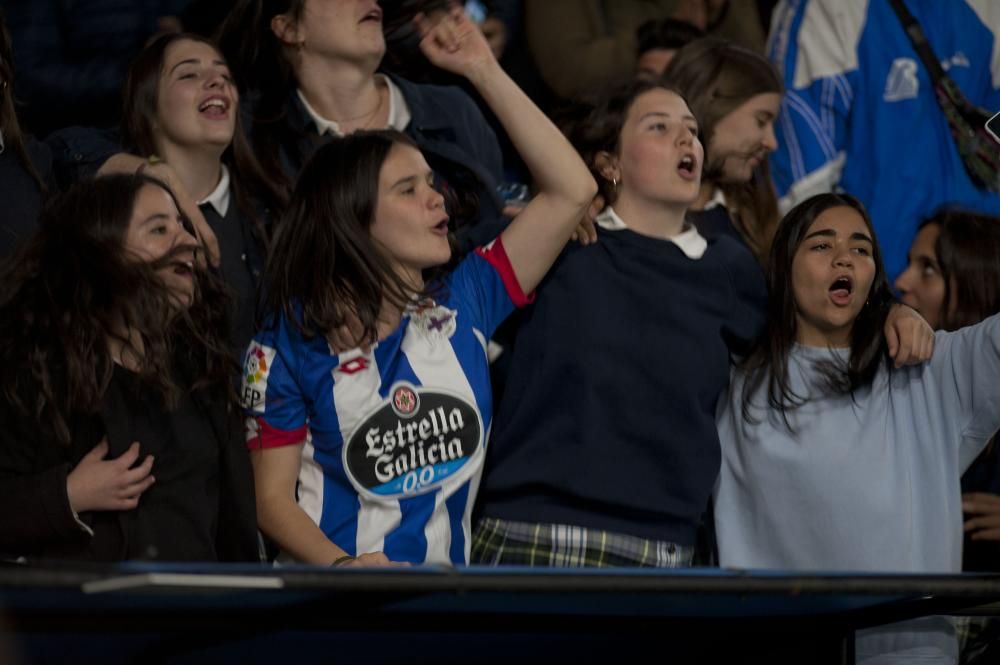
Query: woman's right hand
{"type": "Point", "coordinates": [454, 43]}
{"type": "Point", "coordinates": [108, 484]}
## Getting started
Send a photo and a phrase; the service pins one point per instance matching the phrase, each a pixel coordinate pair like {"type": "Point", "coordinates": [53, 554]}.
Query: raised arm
{"type": "Point", "coordinates": [960, 383]}
{"type": "Point", "coordinates": [565, 188]}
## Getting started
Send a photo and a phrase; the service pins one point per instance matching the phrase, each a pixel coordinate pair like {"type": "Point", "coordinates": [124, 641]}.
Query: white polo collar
{"type": "Point", "coordinates": [689, 240]}
{"type": "Point", "coordinates": [718, 199]}
{"type": "Point", "coordinates": [219, 198]}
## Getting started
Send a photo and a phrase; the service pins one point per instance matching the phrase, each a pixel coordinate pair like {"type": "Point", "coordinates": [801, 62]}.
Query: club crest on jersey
{"type": "Point", "coordinates": [405, 400]}
{"type": "Point", "coordinates": [415, 441]}
{"type": "Point", "coordinates": [434, 319]}
{"type": "Point", "coordinates": [256, 369]}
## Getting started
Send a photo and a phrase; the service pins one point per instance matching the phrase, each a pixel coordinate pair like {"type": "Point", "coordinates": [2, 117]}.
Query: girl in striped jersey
{"type": "Point", "coordinates": [367, 393]}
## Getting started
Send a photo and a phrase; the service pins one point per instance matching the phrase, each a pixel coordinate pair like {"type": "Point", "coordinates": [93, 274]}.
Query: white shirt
{"type": "Point", "coordinates": [399, 112]}
{"type": "Point", "coordinates": [219, 198]}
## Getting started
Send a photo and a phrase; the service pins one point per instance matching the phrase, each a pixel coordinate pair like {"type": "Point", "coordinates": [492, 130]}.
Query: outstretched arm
{"type": "Point", "coordinates": [909, 337]}
{"type": "Point", "coordinates": [565, 187]}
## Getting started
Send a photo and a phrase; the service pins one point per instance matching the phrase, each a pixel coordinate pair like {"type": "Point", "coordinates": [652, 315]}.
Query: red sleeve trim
{"type": "Point", "coordinates": [495, 254]}
{"type": "Point", "coordinates": [261, 435]}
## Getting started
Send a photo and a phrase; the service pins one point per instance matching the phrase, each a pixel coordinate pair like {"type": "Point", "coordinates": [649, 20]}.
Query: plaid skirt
{"type": "Point", "coordinates": [505, 543]}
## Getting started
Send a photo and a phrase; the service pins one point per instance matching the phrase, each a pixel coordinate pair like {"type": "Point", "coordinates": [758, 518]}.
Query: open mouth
{"type": "Point", "coordinates": [841, 290]}
{"type": "Point", "coordinates": [373, 15]}
{"type": "Point", "coordinates": [441, 228]}
{"type": "Point", "coordinates": [183, 268]}
{"type": "Point", "coordinates": [215, 107]}
{"type": "Point", "coordinates": [686, 167]}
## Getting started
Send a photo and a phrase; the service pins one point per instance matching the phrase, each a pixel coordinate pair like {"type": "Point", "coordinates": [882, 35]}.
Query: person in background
{"type": "Point", "coordinates": [735, 94]}
{"type": "Point", "coordinates": [953, 280]}
{"type": "Point", "coordinates": [861, 115]}
{"type": "Point", "coordinates": [25, 164]}
{"type": "Point", "coordinates": [658, 42]}
{"type": "Point", "coordinates": [120, 440]}
{"type": "Point", "coordinates": [310, 67]}
{"type": "Point", "coordinates": [368, 392]}
{"type": "Point", "coordinates": [581, 48]}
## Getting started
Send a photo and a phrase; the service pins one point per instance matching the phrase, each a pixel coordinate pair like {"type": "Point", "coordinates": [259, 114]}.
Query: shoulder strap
{"type": "Point", "coordinates": [919, 40]}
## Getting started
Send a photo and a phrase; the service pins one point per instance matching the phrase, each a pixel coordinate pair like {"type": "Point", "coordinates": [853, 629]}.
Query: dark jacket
{"type": "Point", "coordinates": [36, 520]}
{"type": "Point", "coordinates": [449, 129]}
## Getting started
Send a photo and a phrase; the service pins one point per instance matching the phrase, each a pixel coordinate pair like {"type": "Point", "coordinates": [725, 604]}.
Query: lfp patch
{"type": "Point", "coordinates": [256, 369]}
{"type": "Point", "coordinates": [415, 441]}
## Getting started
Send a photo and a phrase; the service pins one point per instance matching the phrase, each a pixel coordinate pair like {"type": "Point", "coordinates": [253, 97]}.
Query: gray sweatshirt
{"type": "Point", "coordinates": [868, 483]}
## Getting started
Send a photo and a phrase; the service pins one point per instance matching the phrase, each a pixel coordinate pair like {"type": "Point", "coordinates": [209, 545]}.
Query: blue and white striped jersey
{"type": "Point", "coordinates": [395, 437]}
{"type": "Point", "coordinates": [860, 114]}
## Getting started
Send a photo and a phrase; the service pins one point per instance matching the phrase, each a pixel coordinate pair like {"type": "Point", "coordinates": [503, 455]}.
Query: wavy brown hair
{"type": "Point", "coordinates": [73, 288]}
{"type": "Point", "coordinates": [324, 267]}
{"type": "Point", "coordinates": [716, 77]}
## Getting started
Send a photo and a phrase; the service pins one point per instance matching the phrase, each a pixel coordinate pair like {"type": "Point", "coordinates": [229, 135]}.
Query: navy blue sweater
{"type": "Point", "coordinates": [608, 419]}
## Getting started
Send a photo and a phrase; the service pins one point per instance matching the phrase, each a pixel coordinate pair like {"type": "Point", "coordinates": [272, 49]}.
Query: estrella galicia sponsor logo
{"type": "Point", "coordinates": [415, 441]}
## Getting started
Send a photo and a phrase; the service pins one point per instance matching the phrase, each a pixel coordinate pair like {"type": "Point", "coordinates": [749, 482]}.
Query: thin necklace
{"type": "Point", "coordinates": [370, 115]}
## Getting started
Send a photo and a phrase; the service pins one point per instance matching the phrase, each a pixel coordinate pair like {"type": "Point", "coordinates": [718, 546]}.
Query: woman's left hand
{"type": "Point", "coordinates": [454, 43]}
{"type": "Point", "coordinates": [909, 337]}
{"type": "Point", "coordinates": [983, 512]}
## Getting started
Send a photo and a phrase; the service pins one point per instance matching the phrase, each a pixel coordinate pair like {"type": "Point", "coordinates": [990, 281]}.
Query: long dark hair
{"type": "Point", "coordinates": [261, 68]}
{"type": "Point", "coordinates": [141, 99]}
{"type": "Point", "coordinates": [595, 126]}
{"type": "Point", "coordinates": [13, 138]}
{"type": "Point", "coordinates": [72, 288]}
{"type": "Point", "coordinates": [968, 255]}
{"type": "Point", "coordinates": [324, 266]}
{"type": "Point", "coordinates": [716, 77]}
{"type": "Point", "coordinates": [769, 359]}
